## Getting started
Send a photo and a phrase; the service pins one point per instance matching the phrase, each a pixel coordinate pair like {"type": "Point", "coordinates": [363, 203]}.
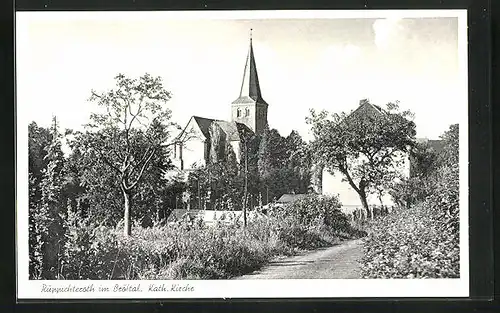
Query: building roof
{"type": "Point", "coordinates": [287, 198]}
{"type": "Point", "coordinates": [230, 128]}
{"type": "Point", "coordinates": [233, 130]}
{"type": "Point", "coordinates": [366, 108]}
{"type": "Point", "coordinates": [250, 87]}
{"type": "Point", "coordinates": [204, 124]}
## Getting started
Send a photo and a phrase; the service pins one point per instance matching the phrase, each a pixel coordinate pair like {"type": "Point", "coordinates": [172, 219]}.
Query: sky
{"type": "Point", "coordinates": [320, 63]}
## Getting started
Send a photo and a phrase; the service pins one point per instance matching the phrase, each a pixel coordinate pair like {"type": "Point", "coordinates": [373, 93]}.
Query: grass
{"type": "Point", "coordinates": [198, 251]}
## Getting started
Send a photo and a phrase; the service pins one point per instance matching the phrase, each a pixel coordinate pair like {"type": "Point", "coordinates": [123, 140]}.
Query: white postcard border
{"type": "Point", "coordinates": [308, 288]}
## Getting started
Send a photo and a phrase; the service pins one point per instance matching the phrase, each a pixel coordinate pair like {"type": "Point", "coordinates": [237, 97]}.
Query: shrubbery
{"type": "Point", "coordinates": [413, 243]}
{"type": "Point", "coordinates": [422, 240]}
{"type": "Point", "coordinates": [75, 231]}
{"type": "Point", "coordinates": [182, 251]}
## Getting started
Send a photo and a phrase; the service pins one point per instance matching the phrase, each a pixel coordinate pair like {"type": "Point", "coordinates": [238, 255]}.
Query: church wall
{"type": "Point", "coordinates": [194, 151]}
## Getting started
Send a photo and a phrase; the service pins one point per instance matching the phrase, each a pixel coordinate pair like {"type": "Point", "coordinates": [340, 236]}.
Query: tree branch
{"type": "Point", "coordinates": [142, 170]}
{"type": "Point", "coordinates": [109, 163]}
{"type": "Point", "coordinates": [134, 167]}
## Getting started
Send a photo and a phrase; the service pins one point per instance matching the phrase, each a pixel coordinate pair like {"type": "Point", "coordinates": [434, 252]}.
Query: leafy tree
{"type": "Point", "coordinates": [366, 147]}
{"type": "Point", "coordinates": [450, 153]}
{"type": "Point", "coordinates": [249, 170]}
{"type": "Point", "coordinates": [446, 193]}
{"type": "Point", "coordinates": [98, 188]}
{"type": "Point", "coordinates": [273, 159]}
{"type": "Point", "coordinates": [131, 132]}
{"type": "Point", "coordinates": [49, 218]}
{"type": "Point", "coordinates": [423, 160]}
{"type": "Point", "coordinates": [219, 184]}
{"type": "Point", "coordinates": [265, 163]}
{"type": "Point", "coordinates": [39, 138]}
{"type": "Point", "coordinates": [283, 164]}
{"type": "Point", "coordinates": [299, 162]}
{"type": "Point", "coordinates": [35, 231]}
{"type": "Point", "coordinates": [173, 190]}
{"type": "Point", "coordinates": [273, 152]}
{"type": "Point", "coordinates": [420, 184]}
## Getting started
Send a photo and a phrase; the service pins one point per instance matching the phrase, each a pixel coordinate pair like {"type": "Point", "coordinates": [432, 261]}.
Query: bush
{"type": "Point", "coordinates": [422, 241]}
{"type": "Point", "coordinates": [168, 252]}
{"type": "Point", "coordinates": [196, 251]}
{"type": "Point", "coordinates": [445, 200]}
{"type": "Point", "coordinates": [314, 212]}
{"type": "Point", "coordinates": [413, 243]}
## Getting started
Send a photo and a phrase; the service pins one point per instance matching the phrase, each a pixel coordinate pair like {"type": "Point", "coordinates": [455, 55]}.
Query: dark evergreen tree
{"type": "Point", "coordinates": [50, 217]}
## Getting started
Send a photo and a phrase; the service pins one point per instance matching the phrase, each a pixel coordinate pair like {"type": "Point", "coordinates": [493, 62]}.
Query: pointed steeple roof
{"type": "Point", "coordinates": [250, 87]}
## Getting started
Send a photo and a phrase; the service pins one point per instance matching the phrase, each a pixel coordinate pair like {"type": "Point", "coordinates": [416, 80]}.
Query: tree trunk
{"type": "Point", "coordinates": [364, 202]}
{"type": "Point", "coordinates": [267, 194]}
{"type": "Point", "coordinates": [127, 230]}
{"type": "Point", "coordinates": [360, 190]}
{"type": "Point", "coordinates": [380, 199]}
{"type": "Point", "coordinates": [246, 188]}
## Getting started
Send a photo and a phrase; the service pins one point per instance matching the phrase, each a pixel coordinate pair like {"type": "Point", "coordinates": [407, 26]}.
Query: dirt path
{"type": "Point", "coordinates": [336, 262]}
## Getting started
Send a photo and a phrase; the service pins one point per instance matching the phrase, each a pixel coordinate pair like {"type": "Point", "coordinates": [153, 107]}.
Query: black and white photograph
{"type": "Point", "coordinates": [242, 154]}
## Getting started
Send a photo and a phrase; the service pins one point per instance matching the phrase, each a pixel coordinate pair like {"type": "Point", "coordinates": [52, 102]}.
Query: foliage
{"type": "Point", "coordinates": [36, 227]}
{"type": "Point", "coordinates": [423, 239]}
{"type": "Point", "coordinates": [318, 212]}
{"type": "Point", "coordinates": [270, 165]}
{"type": "Point", "coordinates": [450, 150]}
{"type": "Point", "coordinates": [218, 185]}
{"type": "Point", "coordinates": [181, 251]}
{"type": "Point", "coordinates": [131, 132]}
{"type": "Point", "coordinates": [427, 170]}
{"type": "Point", "coordinates": [445, 199]}
{"type": "Point", "coordinates": [46, 216]}
{"type": "Point", "coordinates": [424, 160]}
{"type": "Point", "coordinates": [366, 146]}
{"type": "Point", "coordinates": [38, 139]}
{"type": "Point", "coordinates": [409, 191]}
{"type": "Point", "coordinates": [283, 164]}
{"type": "Point", "coordinates": [413, 243]}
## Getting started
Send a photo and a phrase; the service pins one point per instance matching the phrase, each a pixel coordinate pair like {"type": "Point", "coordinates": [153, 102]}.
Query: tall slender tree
{"type": "Point", "coordinates": [49, 219]}
{"type": "Point", "coordinates": [132, 130]}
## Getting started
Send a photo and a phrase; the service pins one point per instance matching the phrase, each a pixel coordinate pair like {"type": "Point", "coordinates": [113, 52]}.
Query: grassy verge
{"type": "Point", "coordinates": [198, 251]}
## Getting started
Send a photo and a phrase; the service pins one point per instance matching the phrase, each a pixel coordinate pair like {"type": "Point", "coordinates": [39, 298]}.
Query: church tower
{"type": "Point", "coordinates": [250, 108]}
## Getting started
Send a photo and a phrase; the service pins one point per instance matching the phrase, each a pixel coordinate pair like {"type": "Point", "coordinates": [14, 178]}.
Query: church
{"type": "Point", "coordinates": [204, 139]}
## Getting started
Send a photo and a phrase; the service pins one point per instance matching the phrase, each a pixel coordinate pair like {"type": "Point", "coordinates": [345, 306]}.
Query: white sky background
{"type": "Point", "coordinates": [308, 63]}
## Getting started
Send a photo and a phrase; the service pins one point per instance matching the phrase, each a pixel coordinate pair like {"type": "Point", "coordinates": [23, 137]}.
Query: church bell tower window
{"type": "Point", "coordinates": [238, 113]}
{"type": "Point", "coordinates": [247, 112]}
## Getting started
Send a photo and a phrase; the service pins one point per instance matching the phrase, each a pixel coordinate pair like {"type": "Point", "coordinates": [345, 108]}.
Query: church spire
{"type": "Point", "coordinates": [250, 109]}
{"type": "Point", "coordinates": [250, 85]}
